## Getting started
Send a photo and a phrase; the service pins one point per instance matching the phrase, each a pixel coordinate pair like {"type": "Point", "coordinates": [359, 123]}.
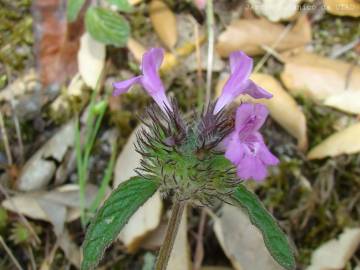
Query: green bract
{"type": "Point", "coordinates": [182, 156]}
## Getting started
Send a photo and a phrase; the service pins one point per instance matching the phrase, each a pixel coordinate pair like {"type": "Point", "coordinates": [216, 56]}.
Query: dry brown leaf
{"type": "Point", "coordinates": [56, 206]}
{"type": "Point", "coordinates": [170, 60]}
{"type": "Point", "coordinates": [180, 255]}
{"type": "Point", "coordinates": [249, 35]}
{"type": "Point", "coordinates": [215, 268]}
{"type": "Point", "coordinates": [147, 217]}
{"type": "Point", "coordinates": [164, 22]}
{"type": "Point", "coordinates": [136, 48]}
{"type": "Point", "coordinates": [241, 241]}
{"type": "Point", "coordinates": [91, 59]}
{"type": "Point", "coordinates": [318, 77]}
{"type": "Point", "coordinates": [134, 2]}
{"type": "Point", "coordinates": [342, 142]}
{"type": "Point", "coordinates": [335, 254]}
{"type": "Point", "coordinates": [40, 168]}
{"type": "Point", "coordinates": [70, 248]}
{"type": "Point", "coordinates": [343, 7]}
{"type": "Point", "coordinates": [275, 10]}
{"type": "Point", "coordinates": [293, 121]}
{"type": "Point", "coordinates": [347, 101]}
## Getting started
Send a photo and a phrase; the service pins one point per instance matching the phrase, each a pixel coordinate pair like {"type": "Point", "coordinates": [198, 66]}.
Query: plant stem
{"type": "Point", "coordinates": [173, 226]}
{"type": "Point", "coordinates": [210, 57]}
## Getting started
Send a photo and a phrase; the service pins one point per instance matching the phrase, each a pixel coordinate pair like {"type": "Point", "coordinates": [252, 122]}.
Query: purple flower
{"type": "Point", "coordinates": [245, 147]}
{"type": "Point", "coordinates": [150, 79]}
{"type": "Point", "coordinates": [239, 83]}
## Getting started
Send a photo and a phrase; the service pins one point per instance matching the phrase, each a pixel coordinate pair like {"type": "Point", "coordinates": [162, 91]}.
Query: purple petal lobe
{"type": "Point", "coordinates": [240, 63]}
{"type": "Point", "coordinates": [124, 86]}
{"type": "Point", "coordinates": [235, 149]}
{"type": "Point", "coordinates": [251, 168]}
{"type": "Point", "coordinates": [151, 81]}
{"type": "Point", "coordinates": [249, 118]}
{"type": "Point", "coordinates": [256, 91]}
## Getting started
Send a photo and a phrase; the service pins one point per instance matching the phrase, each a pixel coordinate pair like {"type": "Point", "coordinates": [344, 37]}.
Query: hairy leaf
{"type": "Point", "coordinates": [275, 240]}
{"type": "Point", "coordinates": [113, 216]}
{"type": "Point", "coordinates": [73, 9]}
{"type": "Point", "coordinates": [107, 26]}
{"type": "Point", "coordinates": [122, 5]}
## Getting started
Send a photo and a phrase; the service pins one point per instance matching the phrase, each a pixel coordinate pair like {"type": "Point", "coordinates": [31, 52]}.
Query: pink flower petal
{"type": "Point", "coordinates": [251, 168]}
{"type": "Point", "coordinates": [249, 118]}
{"type": "Point", "coordinates": [235, 150]}
{"type": "Point", "coordinates": [256, 91]}
{"type": "Point", "coordinates": [124, 86]}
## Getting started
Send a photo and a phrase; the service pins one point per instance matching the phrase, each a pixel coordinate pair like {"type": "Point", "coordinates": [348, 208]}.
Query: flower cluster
{"type": "Point", "coordinates": [185, 156]}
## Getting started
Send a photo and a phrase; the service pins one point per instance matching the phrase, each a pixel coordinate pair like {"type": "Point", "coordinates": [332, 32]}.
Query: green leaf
{"type": "Point", "coordinates": [122, 5]}
{"type": "Point", "coordinates": [107, 26]}
{"type": "Point", "coordinates": [73, 9]}
{"type": "Point", "coordinates": [112, 217]}
{"type": "Point", "coordinates": [275, 240]}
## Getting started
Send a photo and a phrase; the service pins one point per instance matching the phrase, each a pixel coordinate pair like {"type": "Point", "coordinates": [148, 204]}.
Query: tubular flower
{"type": "Point", "coordinates": [239, 83]}
{"type": "Point", "coordinates": [149, 80]}
{"type": "Point", "coordinates": [245, 146]}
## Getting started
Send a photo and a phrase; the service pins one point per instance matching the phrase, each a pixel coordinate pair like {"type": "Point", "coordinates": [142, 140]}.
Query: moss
{"type": "Point", "coordinates": [16, 36]}
{"type": "Point", "coordinates": [334, 30]}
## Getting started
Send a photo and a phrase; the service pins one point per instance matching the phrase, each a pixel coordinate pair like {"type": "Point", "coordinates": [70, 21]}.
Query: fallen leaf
{"type": "Point", "coordinates": [57, 42]}
{"type": "Point", "coordinates": [343, 142]}
{"type": "Point", "coordinates": [91, 59]}
{"type": "Point", "coordinates": [275, 10]}
{"type": "Point", "coordinates": [241, 241]}
{"type": "Point", "coordinates": [56, 206]}
{"type": "Point", "coordinates": [136, 48]}
{"type": "Point", "coordinates": [318, 77]}
{"type": "Point", "coordinates": [293, 121]}
{"type": "Point", "coordinates": [343, 7]}
{"type": "Point", "coordinates": [215, 268]}
{"type": "Point", "coordinates": [170, 60]}
{"type": "Point", "coordinates": [180, 255]}
{"type": "Point", "coordinates": [147, 217]}
{"type": "Point", "coordinates": [347, 101]}
{"type": "Point", "coordinates": [335, 254]}
{"type": "Point", "coordinates": [41, 167]}
{"type": "Point", "coordinates": [70, 248]}
{"type": "Point", "coordinates": [249, 35]}
{"type": "Point", "coordinates": [164, 22]}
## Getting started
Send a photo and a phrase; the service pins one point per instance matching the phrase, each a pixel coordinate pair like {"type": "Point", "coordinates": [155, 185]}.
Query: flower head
{"type": "Point", "coordinates": [239, 83]}
{"type": "Point", "coordinates": [245, 147]}
{"type": "Point", "coordinates": [150, 79]}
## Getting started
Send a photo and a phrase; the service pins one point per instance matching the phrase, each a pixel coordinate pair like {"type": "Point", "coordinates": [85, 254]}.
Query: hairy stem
{"type": "Point", "coordinates": [173, 226]}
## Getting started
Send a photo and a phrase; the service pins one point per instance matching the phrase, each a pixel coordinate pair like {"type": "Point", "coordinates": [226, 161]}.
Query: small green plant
{"type": "Point", "coordinates": [96, 113]}
{"type": "Point", "coordinates": [103, 24]}
{"type": "Point", "coordinates": [195, 161]}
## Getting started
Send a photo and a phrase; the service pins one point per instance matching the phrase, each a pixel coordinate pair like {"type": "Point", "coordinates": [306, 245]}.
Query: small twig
{"type": "Point", "coordinates": [172, 229]}
{"type": "Point", "coordinates": [199, 251]}
{"type": "Point", "coordinates": [11, 255]}
{"type": "Point", "coordinates": [273, 47]}
{"type": "Point", "coordinates": [21, 216]}
{"type": "Point", "coordinates": [5, 140]}
{"type": "Point", "coordinates": [273, 53]}
{"type": "Point", "coordinates": [210, 59]}
{"type": "Point", "coordinates": [343, 49]}
{"type": "Point", "coordinates": [32, 258]}
{"type": "Point", "coordinates": [18, 133]}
